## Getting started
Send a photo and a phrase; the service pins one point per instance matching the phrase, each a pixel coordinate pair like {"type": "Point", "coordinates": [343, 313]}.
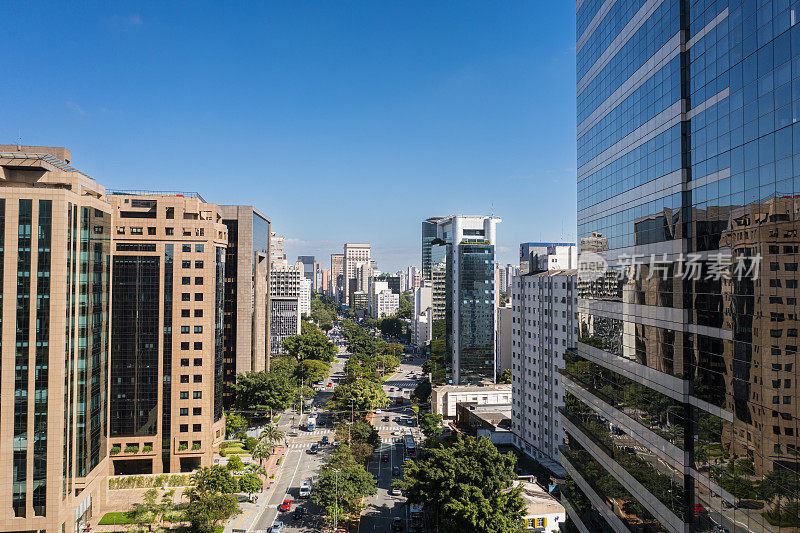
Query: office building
{"type": "Point", "coordinates": [55, 252]}
{"type": "Point", "coordinates": [356, 270]}
{"type": "Point", "coordinates": [284, 293]}
{"type": "Point", "coordinates": [360, 300]}
{"type": "Point", "coordinates": [318, 286]}
{"type": "Point", "coordinates": [423, 303]}
{"type": "Point", "coordinates": [305, 296]}
{"type": "Point", "coordinates": [543, 328]}
{"type": "Point", "coordinates": [166, 332]}
{"type": "Point", "coordinates": [414, 277]}
{"type": "Point", "coordinates": [445, 398]}
{"type": "Point", "coordinates": [337, 276]}
{"type": "Point", "coordinates": [541, 256]}
{"type": "Point", "coordinates": [429, 234]}
{"type": "Point", "coordinates": [276, 247]}
{"type": "Point", "coordinates": [462, 272]}
{"type": "Point", "coordinates": [245, 333]}
{"type": "Point", "coordinates": [403, 280]}
{"type": "Point", "coordinates": [325, 281]}
{"type": "Point", "coordinates": [686, 148]}
{"type": "Point", "coordinates": [383, 301]}
{"type": "Point", "coordinates": [503, 339]}
{"type": "Point", "coordinates": [501, 281]}
{"type": "Point", "coordinates": [308, 262]}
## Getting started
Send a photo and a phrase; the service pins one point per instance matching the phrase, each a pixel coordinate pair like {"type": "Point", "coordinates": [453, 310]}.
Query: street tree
{"type": "Point", "coordinates": [234, 423]}
{"type": "Point", "coordinates": [312, 370]}
{"type": "Point", "coordinates": [250, 483]}
{"type": "Point", "coordinates": [264, 390]}
{"type": "Point", "coordinates": [215, 478]}
{"type": "Point", "coordinates": [469, 484]}
{"type": "Point", "coordinates": [430, 424]}
{"type": "Point", "coordinates": [311, 345]}
{"type": "Point", "coordinates": [208, 508]}
{"type": "Point", "coordinates": [359, 396]}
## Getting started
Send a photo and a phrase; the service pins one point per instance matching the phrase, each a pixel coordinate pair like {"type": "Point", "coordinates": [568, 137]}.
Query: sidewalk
{"type": "Point", "coordinates": [251, 512]}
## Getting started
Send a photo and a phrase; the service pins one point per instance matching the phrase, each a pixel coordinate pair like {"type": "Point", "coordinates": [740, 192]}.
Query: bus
{"type": "Point", "coordinates": [416, 512]}
{"type": "Point", "coordinates": [311, 424]}
{"type": "Point", "coordinates": [409, 446]}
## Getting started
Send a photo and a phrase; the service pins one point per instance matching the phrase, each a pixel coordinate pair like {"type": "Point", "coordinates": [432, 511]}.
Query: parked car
{"type": "Point", "coordinates": [314, 449]}
{"type": "Point", "coordinates": [277, 527]}
{"type": "Point", "coordinates": [286, 505]}
{"type": "Point", "coordinates": [324, 439]}
{"type": "Point", "coordinates": [395, 470]}
{"type": "Point", "coordinates": [299, 512]}
{"type": "Point", "coordinates": [397, 524]}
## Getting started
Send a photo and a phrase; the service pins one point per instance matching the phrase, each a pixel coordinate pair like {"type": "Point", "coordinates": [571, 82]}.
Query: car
{"type": "Point", "coordinates": [385, 419]}
{"type": "Point", "coordinates": [286, 505]}
{"type": "Point", "coordinates": [329, 384]}
{"type": "Point", "coordinates": [385, 458]}
{"type": "Point", "coordinates": [277, 527]}
{"type": "Point", "coordinates": [699, 509]}
{"type": "Point", "coordinates": [394, 492]}
{"type": "Point", "coordinates": [324, 439]}
{"type": "Point", "coordinates": [314, 449]}
{"type": "Point", "coordinates": [395, 470]}
{"type": "Point", "coordinates": [305, 489]}
{"type": "Point", "coordinates": [719, 528]}
{"type": "Point", "coordinates": [375, 476]}
{"type": "Point", "coordinates": [298, 513]}
{"type": "Point", "coordinates": [391, 389]}
{"type": "Point", "coordinates": [397, 524]}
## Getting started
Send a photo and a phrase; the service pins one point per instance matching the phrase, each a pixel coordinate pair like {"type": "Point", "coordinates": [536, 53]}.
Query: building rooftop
{"type": "Point", "coordinates": [474, 388]}
{"type": "Point", "coordinates": [36, 160]}
{"type": "Point", "coordinates": [538, 501]}
{"type": "Point", "coordinates": [187, 194]}
{"type": "Point", "coordinates": [550, 273]}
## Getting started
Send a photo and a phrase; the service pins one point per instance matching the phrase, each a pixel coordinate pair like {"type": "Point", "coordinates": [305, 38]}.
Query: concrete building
{"type": "Point", "coordinates": [360, 301]}
{"type": "Point", "coordinates": [55, 229]}
{"type": "Point", "coordinates": [423, 304]}
{"type": "Point", "coordinates": [429, 234]}
{"type": "Point", "coordinates": [337, 276]}
{"type": "Point", "coordinates": [383, 301]}
{"type": "Point", "coordinates": [285, 314]}
{"type": "Point", "coordinates": [445, 397]}
{"type": "Point", "coordinates": [503, 338]}
{"type": "Point", "coordinates": [501, 279]}
{"type": "Point", "coordinates": [543, 512]}
{"type": "Point", "coordinates": [544, 327]}
{"type": "Point", "coordinates": [318, 287]}
{"type": "Point", "coordinates": [414, 277]}
{"type": "Point", "coordinates": [462, 271]}
{"type": "Point", "coordinates": [276, 247]}
{"type": "Point", "coordinates": [166, 332]}
{"type": "Point", "coordinates": [356, 269]}
{"type": "Point", "coordinates": [325, 282]}
{"type": "Point", "coordinates": [540, 256]}
{"type": "Point", "coordinates": [245, 318]}
{"type": "Point", "coordinates": [305, 297]}
{"type": "Point", "coordinates": [308, 266]}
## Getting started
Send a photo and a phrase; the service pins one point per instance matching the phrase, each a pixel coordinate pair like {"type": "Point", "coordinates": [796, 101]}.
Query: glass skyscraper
{"type": "Point", "coordinates": [681, 405]}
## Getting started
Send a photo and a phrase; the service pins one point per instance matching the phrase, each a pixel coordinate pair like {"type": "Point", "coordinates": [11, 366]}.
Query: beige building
{"type": "Point", "coordinates": [356, 269]}
{"type": "Point", "coordinates": [165, 412]}
{"type": "Point", "coordinates": [245, 312]}
{"type": "Point", "coordinates": [55, 237]}
{"type": "Point", "coordinates": [337, 275]}
{"type": "Point", "coordinates": [444, 398]}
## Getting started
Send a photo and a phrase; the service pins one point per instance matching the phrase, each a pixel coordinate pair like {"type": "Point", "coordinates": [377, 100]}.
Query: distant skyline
{"type": "Point", "coordinates": [349, 121]}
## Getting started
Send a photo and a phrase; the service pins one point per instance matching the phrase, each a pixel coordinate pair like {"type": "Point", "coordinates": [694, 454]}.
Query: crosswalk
{"type": "Point", "coordinates": [410, 384]}
{"type": "Point", "coordinates": [307, 445]}
{"type": "Point", "coordinates": [391, 428]}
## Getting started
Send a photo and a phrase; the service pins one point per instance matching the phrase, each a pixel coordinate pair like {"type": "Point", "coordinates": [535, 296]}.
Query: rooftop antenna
{"type": "Point", "coordinates": [491, 209]}
{"type": "Point", "coordinates": [19, 140]}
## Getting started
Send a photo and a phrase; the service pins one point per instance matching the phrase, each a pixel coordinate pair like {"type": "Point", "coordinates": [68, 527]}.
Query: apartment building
{"type": "Point", "coordinates": [337, 276]}
{"type": "Point", "coordinates": [543, 328]}
{"type": "Point", "coordinates": [383, 301]}
{"type": "Point", "coordinates": [540, 256]}
{"type": "Point", "coordinates": [423, 303]}
{"type": "Point", "coordinates": [55, 254]}
{"type": "Point", "coordinates": [305, 296]}
{"type": "Point", "coordinates": [356, 269]}
{"type": "Point", "coordinates": [285, 315]}
{"type": "Point", "coordinates": [245, 330]}
{"type": "Point", "coordinates": [165, 412]}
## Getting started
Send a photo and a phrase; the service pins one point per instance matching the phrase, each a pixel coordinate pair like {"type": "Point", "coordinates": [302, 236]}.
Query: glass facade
{"type": "Point", "coordinates": [683, 387]}
{"type": "Point", "coordinates": [218, 339]}
{"type": "Point", "coordinates": [475, 314]}
{"type": "Point", "coordinates": [21, 359]}
{"type": "Point", "coordinates": [134, 347]}
{"type": "Point", "coordinates": [428, 236]}
{"type": "Point", "coordinates": [42, 357]}
{"type": "Point", "coordinates": [166, 363]}
{"type": "Point", "coordinates": [229, 310]}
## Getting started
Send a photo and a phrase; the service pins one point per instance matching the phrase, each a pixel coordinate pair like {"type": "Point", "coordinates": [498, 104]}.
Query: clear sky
{"type": "Point", "coordinates": [342, 121]}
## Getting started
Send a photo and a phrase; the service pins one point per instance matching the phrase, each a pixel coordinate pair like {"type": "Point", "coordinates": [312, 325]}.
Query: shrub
{"type": "Point", "coordinates": [182, 447]}
{"type": "Point", "coordinates": [196, 446]}
{"type": "Point", "coordinates": [147, 448]}
{"type": "Point", "coordinates": [115, 450]}
{"type": "Point", "coordinates": [131, 448]}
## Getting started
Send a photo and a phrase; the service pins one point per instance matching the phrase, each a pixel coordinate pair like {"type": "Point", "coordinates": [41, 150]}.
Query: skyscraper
{"type": "Point", "coordinates": [245, 316]}
{"type": "Point", "coordinates": [356, 269]}
{"type": "Point", "coordinates": [337, 276]}
{"type": "Point", "coordinates": [681, 404]}
{"type": "Point", "coordinates": [428, 235]}
{"type": "Point", "coordinates": [166, 332]}
{"type": "Point", "coordinates": [285, 313]}
{"type": "Point", "coordinates": [55, 254]}
{"type": "Point", "coordinates": [462, 271]}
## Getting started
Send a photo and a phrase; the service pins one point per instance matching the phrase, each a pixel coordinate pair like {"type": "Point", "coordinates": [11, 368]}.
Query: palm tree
{"type": "Point", "coordinates": [271, 434]}
{"type": "Point", "coordinates": [262, 450]}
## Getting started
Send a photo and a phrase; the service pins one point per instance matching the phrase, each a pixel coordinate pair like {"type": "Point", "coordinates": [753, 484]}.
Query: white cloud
{"type": "Point", "coordinates": [72, 106]}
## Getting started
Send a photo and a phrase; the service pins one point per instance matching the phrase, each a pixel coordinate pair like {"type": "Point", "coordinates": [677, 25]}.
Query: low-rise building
{"type": "Point", "coordinates": [543, 512]}
{"type": "Point", "coordinates": [445, 398]}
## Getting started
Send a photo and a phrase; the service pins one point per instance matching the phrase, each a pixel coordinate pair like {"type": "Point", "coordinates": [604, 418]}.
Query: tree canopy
{"type": "Point", "coordinates": [310, 344]}
{"type": "Point", "coordinates": [469, 484]}
{"type": "Point", "coordinates": [360, 395]}
{"type": "Point", "coordinates": [259, 390]}
{"type": "Point", "coordinates": [343, 484]}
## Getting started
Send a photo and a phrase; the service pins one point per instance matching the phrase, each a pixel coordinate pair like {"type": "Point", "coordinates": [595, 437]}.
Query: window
{"type": "Point", "coordinates": [186, 313]}
{"type": "Point", "coordinates": [198, 345]}
{"type": "Point", "coordinates": [184, 411]}
{"type": "Point", "coordinates": [197, 395]}
{"type": "Point", "coordinates": [184, 395]}
{"type": "Point", "coordinates": [185, 378]}
{"type": "Point", "coordinates": [186, 264]}
{"type": "Point", "coordinates": [186, 280]}
{"type": "Point", "coordinates": [186, 248]}
{"type": "Point", "coordinates": [184, 428]}
{"type": "Point", "coordinates": [185, 329]}
{"type": "Point", "coordinates": [197, 361]}
{"type": "Point", "coordinates": [198, 329]}
{"type": "Point", "coordinates": [197, 428]}
{"type": "Point", "coordinates": [185, 297]}
{"type": "Point", "coordinates": [185, 362]}
{"type": "Point", "coordinates": [198, 264]}
{"type": "Point", "coordinates": [170, 212]}
{"type": "Point", "coordinates": [137, 230]}
{"type": "Point", "coordinates": [198, 378]}
{"type": "Point", "coordinates": [170, 231]}
{"type": "Point", "coordinates": [197, 411]}
{"type": "Point", "coordinates": [198, 297]}
{"type": "Point", "coordinates": [198, 247]}
{"type": "Point", "coordinates": [120, 230]}
{"type": "Point", "coordinates": [198, 313]}
{"type": "Point", "coordinates": [184, 346]}
{"type": "Point", "coordinates": [151, 230]}
{"type": "Point", "coordinates": [198, 280]}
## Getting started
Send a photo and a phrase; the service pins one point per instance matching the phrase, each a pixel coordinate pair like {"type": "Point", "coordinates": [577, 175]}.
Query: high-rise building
{"type": "Point", "coordinates": [276, 244]}
{"type": "Point", "coordinates": [503, 339]}
{"type": "Point", "coordinates": [305, 296]}
{"type": "Point", "coordinates": [383, 301]}
{"type": "Point", "coordinates": [356, 269]}
{"type": "Point", "coordinates": [337, 276]}
{"type": "Point", "coordinates": [423, 303]}
{"type": "Point", "coordinates": [500, 278]}
{"type": "Point", "coordinates": [166, 332]}
{"type": "Point", "coordinates": [326, 281]}
{"type": "Point", "coordinates": [245, 314]}
{"type": "Point", "coordinates": [462, 272]}
{"type": "Point", "coordinates": [681, 397]}
{"type": "Point", "coordinates": [284, 294]}
{"type": "Point", "coordinates": [318, 287]}
{"type": "Point", "coordinates": [414, 277]}
{"type": "Point", "coordinates": [308, 266]}
{"type": "Point", "coordinates": [543, 318]}
{"type": "Point", "coordinates": [55, 254]}
{"type": "Point", "coordinates": [541, 256]}
{"type": "Point", "coordinates": [429, 234]}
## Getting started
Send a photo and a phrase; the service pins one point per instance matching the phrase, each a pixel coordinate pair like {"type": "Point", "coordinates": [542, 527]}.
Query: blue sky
{"type": "Point", "coordinates": [342, 121]}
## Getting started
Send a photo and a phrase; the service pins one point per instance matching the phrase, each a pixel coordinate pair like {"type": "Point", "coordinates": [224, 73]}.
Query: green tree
{"type": "Point", "coordinates": [469, 484]}
{"type": "Point", "coordinates": [430, 424]}
{"type": "Point", "coordinates": [250, 483]}
{"type": "Point", "coordinates": [272, 434]}
{"type": "Point", "coordinates": [264, 390]}
{"type": "Point", "coordinates": [234, 463]}
{"type": "Point", "coordinates": [313, 370]}
{"type": "Point", "coordinates": [234, 423]}
{"type": "Point", "coordinates": [311, 345]}
{"type": "Point", "coordinates": [505, 377]}
{"type": "Point", "coordinates": [216, 478]}
{"type": "Point", "coordinates": [207, 509]}
{"type": "Point", "coordinates": [422, 392]}
{"type": "Point", "coordinates": [360, 396]}
{"type": "Point", "coordinates": [146, 512]}
{"type": "Point", "coordinates": [343, 484]}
